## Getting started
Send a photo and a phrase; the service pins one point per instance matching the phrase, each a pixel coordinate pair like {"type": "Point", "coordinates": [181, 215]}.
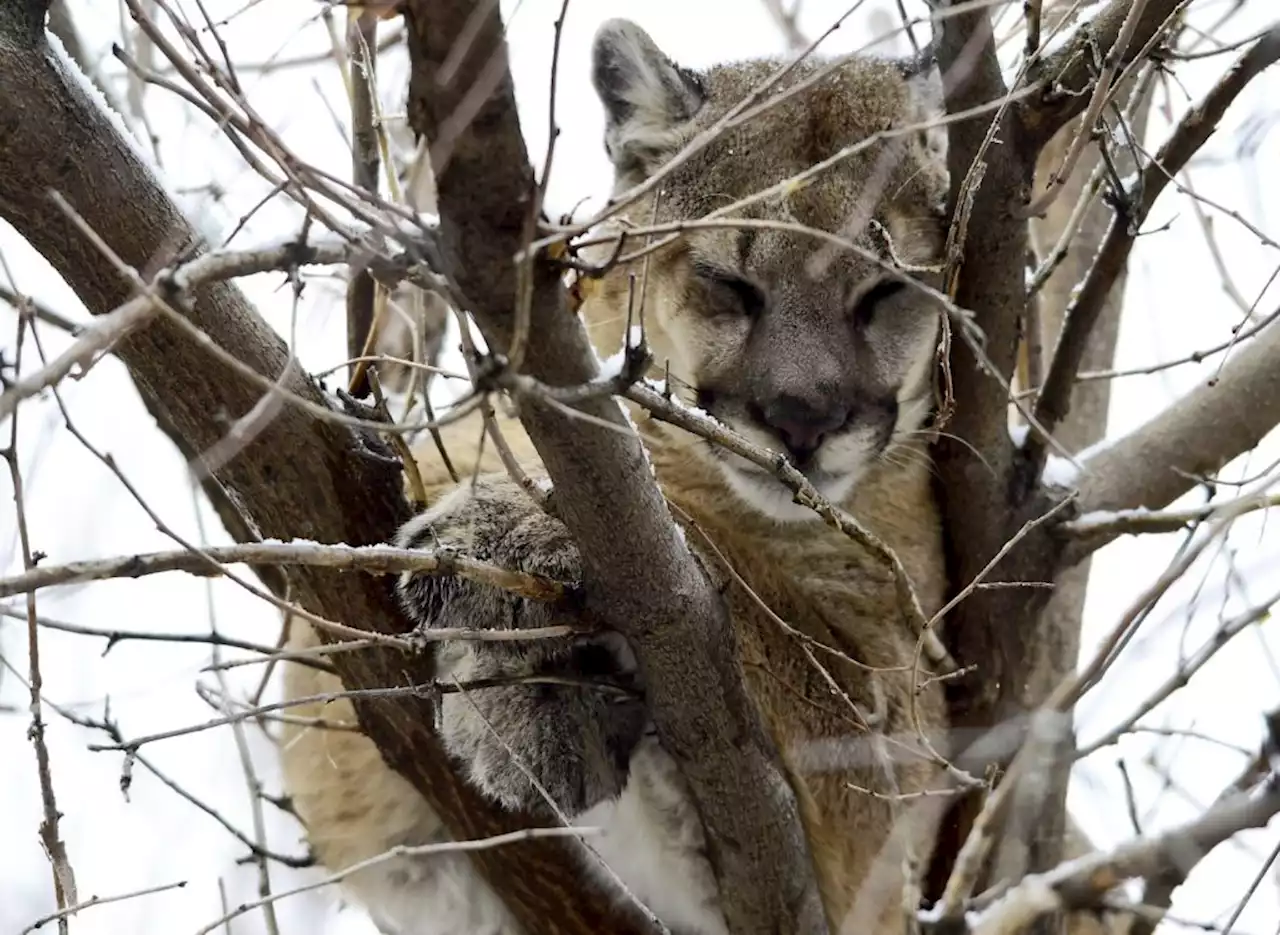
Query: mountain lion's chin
{"type": "Point", "coordinates": [768, 495]}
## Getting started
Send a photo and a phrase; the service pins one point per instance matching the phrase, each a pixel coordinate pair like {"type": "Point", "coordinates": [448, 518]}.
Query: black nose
{"type": "Point", "coordinates": [802, 425]}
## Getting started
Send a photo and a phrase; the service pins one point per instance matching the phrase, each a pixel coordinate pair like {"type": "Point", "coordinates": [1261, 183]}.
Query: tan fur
{"type": "Point", "coordinates": [815, 579]}
{"type": "Point", "coordinates": [355, 807]}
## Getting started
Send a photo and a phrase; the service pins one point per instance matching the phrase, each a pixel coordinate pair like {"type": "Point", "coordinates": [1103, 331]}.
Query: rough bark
{"type": "Point", "coordinates": [645, 584]}
{"type": "Point", "coordinates": [299, 478]}
{"type": "Point", "coordinates": [1056, 653]}
{"type": "Point", "coordinates": [984, 503]}
{"type": "Point", "coordinates": [986, 500]}
{"type": "Point", "coordinates": [1068, 73]}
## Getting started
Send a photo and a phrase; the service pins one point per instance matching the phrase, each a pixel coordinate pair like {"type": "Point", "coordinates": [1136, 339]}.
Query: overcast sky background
{"type": "Point", "coordinates": [77, 509]}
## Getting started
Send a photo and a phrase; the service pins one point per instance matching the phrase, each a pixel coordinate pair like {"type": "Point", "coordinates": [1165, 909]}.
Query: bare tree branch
{"type": "Point", "coordinates": [366, 162]}
{"type": "Point", "coordinates": [1094, 530]}
{"type": "Point", "coordinates": [1078, 231]}
{"type": "Point", "coordinates": [99, 901]}
{"type": "Point", "coordinates": [1117, 54]}
{"type": "Point", "coordinates": [41, 311]}
{"type": "Point", "coordinates": [298, 478]}
{"type": "Point", "coordinates": [97, 339]}
{"type": "Point", "coordinates": [1083, 883]}
{"type": "Point", "coordinates": [1217, 421]}
{"type": "Point", "coordinates": [645, 584]}
{"type": "Point", "coordinates": [375, 559]}
{"type": "Point", "coordinates": [787, 21]}
{"type": "Point", "coordinates": [403, 850]}
{"type": "Point", "coordinates": [206, 365]}
{"type": "Point", "coordinates": [986, 499]}
{"type": "Point", "coordinates": [1191, 133]}
{"type": "Point", "coordinates": [55, 849]}
{"type": "Point", "coordinates": [1068, 72]}
{"type": "Point", "coordinates": [115, 637]}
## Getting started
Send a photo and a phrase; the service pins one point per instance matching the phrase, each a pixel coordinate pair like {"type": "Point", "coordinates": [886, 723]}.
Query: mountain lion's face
{"type": "Point", "coordinates": [800, 343]}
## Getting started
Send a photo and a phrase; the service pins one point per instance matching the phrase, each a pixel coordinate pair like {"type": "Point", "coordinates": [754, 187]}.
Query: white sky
{"type": "Point", "coordinates": [76, 509]}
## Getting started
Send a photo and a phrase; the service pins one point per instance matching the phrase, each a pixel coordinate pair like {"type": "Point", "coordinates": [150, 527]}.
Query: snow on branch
{"type": "Point", "coordinates": [302, 476]}
{"type": "Point", "coordinates": [373, 559]}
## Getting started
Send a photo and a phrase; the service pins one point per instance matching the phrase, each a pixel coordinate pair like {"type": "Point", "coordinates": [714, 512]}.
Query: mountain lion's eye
{"type": "Point", "coordinates": [865, 308]}
{"type": "Point", "coordinates": [732, 293]}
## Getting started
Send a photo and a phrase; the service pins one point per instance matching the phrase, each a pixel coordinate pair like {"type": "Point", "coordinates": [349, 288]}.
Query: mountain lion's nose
{"type": "Point", "coordinates": [801, 425]}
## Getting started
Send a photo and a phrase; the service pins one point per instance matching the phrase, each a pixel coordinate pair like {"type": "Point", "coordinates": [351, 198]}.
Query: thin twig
{"type": "Point", "coordinates": [1187, 138]}
{"type": "Point", "coordinates": [1102, 89]}
{"type": "Point", "coordinates": [99, 901]}
{"type": "Point", "coordinates": [1082, 883]}
{"type": "Point", "coordinates": [400, 851]}
{"type": "Point", "coordinates": [433, 689]}
{"type": "Point", "coordinates": [64, 881]}
{"type": "Point", "coordinates": [374, 559]}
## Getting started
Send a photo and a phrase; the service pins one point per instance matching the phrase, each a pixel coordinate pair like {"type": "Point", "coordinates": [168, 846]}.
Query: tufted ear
{"type": "Point", "coordinates": [646, 96]}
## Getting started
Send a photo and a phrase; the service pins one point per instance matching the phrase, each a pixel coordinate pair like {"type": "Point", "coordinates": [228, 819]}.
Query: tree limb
{"type": "Point", "coordinates": [1191, 133]}
{"type": "Point", "coordinates": [300, 477]}
{"type": "Point", "coordinates": [1116, 55]}
{"type": "Point", "coordinates": [373, 559]}
{"type": "Point", "coordinates": [987, 499]}
{"type": "Point", "coordinates": [1077, 232]}
{"type": "Point", "coordinates": [366, 162]}
{"type": "Point", "coordinates": [973, 492]}
{"type": "Point", "coordinates": [1082, 884]}
{"type": "Point", "coordinates": [1069, 71]}
{"type": "Point", "coordinates": [1217, 421]}
{"type": "Point", "coordinates": [1092, 531]}
{"type": "Point", "coordinates": [646, 584]}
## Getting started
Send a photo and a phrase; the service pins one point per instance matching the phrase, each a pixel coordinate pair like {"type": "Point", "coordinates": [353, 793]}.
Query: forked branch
{"type": "Point", "coordinates": [1192, 132]}
{"type": "Point", "coordinates": [1069, 72]}
{"type": "Point", "coordinates": [299, 477]}
{"type": "Point", "coordinates": [646, 583]}
{"type": "Point", "coordinates": [1085, 883]}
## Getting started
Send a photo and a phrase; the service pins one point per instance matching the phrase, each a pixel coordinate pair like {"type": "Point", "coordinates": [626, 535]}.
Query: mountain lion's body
{"type": "Point", "coordinates": [802, 344]}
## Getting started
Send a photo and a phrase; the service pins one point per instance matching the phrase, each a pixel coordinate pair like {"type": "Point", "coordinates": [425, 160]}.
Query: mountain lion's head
{"type": "Point", "coordinates": [798, 342]}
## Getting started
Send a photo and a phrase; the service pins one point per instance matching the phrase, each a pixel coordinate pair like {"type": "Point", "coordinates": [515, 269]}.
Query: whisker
{"type": "Point", "coordinates": [937, 433]}
{"type": "Point", "coordinates": [899, 458]}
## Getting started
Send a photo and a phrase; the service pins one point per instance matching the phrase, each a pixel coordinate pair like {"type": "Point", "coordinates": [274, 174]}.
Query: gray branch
{"type": "Point", "coordinates": [645, 584]}
{"type": "Point", "coordinates": [1068, 73]}
{"type": "Point", "coordinates": [1217, 421]}
{"type": "Point", "coordinates": [300, 477]}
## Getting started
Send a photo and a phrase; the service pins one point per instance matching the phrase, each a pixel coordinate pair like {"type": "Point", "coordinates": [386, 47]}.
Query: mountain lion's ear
{"type": "Point", "coordinates": [927, 101]}
{"type": "Point", "coordinates": [645, 95]}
